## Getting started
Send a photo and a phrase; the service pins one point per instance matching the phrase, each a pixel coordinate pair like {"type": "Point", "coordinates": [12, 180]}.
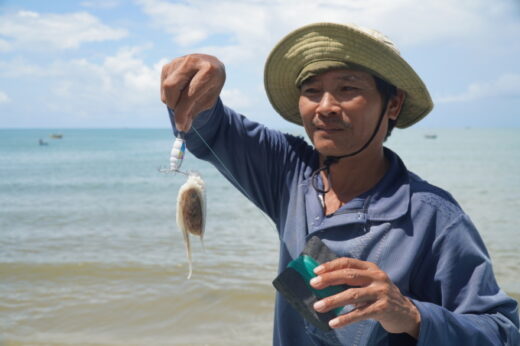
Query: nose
{"type": "Point", "coordinates": [329, 105]}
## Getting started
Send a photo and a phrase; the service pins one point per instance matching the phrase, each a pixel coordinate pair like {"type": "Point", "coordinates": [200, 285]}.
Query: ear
{"type": "Point", "coordinates": [395, 104]}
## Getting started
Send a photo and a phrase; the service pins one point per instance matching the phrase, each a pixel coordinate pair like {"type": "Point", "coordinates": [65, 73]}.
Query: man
{"type": "Point", "coordinates": [417, 269]}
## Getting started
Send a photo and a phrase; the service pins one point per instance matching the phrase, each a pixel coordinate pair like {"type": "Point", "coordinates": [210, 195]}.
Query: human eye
{"type": "Point", "coordinates": [310, 90]}
{"type": "Point", "coordinates": [347, 88]}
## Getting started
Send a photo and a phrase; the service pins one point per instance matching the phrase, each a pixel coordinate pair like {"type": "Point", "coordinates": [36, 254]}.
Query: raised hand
{"type": "Point", "coordinates": [191, 84]}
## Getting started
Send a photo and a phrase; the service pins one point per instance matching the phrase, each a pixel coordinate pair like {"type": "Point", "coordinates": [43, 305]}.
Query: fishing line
{"type": "Point", "coordinates": [235, 180]}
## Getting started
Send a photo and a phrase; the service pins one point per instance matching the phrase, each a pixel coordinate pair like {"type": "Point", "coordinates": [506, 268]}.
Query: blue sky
{"type": "Point", "coordinates": [91, 64]}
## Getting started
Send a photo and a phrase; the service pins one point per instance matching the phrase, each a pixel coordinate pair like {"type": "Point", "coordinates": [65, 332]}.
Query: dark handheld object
{"type": "Point", "coordinates": [293, 283]}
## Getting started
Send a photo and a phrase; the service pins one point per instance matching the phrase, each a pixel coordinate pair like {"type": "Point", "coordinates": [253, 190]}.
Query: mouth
{"type": "Point", "coordinates": [327, 129]}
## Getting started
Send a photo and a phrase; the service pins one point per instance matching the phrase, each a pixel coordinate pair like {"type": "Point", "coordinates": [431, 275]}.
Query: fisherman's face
{"type": "Point", "coordinates": [340, 110]}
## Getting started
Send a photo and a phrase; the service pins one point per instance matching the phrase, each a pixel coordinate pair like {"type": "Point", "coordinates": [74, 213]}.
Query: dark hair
{"type": "Point", "coordinates": [387, 91]}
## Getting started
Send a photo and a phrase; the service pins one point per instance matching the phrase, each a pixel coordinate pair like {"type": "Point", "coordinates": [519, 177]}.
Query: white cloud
{"type": "Point", "coordinates": [119, 85]}
{"type": "Point", "coordinates": [20, 67]}
{"type": "Point", "coordinates": [254, 26]}
{"type": "Point", "coordinates": [120, 82]}
{"type": "Point", "coordinates": [101, 4]}
{"type": "Point", "coordinates": [233, 53]}
{"type": "Point", "coordinates": [32, 30]}
{"type": "Point", "coordinates": [233, 27]}
{"type": "Point", "coordinates": [4, 46]}
{"type": "Point", "coordinates": [4, 98]}
{"type": "Point", "coordinates": [235, 98]}
{"type": "Point", "coordinates": [507, 85]}
{"type": "Point", "coordinates": [240, 33]}
{"type": "Point", "coordinates": [191, 23]}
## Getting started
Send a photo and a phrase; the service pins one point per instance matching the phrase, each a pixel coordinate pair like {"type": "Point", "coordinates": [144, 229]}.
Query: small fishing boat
{"type": "Point", "coordinates": [430, 136]}
{"type": "Point", "coordinates": [57, 136]}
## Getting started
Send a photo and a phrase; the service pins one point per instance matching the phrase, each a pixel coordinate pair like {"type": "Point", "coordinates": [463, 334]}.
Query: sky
{"type": "Point", "coordinates": [96, 64]}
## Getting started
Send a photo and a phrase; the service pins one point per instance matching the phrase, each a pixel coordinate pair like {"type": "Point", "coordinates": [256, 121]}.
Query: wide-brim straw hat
{"type": "Point", "coordinates": [319, 47]}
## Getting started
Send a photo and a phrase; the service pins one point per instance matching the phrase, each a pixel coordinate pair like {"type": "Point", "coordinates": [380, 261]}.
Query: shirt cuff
{"type": "Point", "coordinates": [426, 318]}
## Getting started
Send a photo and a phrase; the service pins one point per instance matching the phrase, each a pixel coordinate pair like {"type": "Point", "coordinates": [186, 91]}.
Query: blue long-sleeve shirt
{"type": "Point", "coordinates": [412, 230]}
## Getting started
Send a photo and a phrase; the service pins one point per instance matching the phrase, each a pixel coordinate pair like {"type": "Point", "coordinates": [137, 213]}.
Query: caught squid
{"type": "Point", "coordinates": [191, 211]}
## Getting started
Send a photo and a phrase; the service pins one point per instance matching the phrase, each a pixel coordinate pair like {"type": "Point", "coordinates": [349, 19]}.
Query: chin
{"type": "Point", "coordinates": [327, 147]}
{"type": "Point", "coordinates": [328, 150]}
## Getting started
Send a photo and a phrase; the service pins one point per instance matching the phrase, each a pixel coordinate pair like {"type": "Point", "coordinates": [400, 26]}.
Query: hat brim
{"type": "Point", "coordinates": [335, 42]}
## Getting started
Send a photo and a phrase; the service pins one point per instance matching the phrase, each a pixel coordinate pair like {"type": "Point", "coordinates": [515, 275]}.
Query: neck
{"type": "Point", "coordinates": [352, 176]}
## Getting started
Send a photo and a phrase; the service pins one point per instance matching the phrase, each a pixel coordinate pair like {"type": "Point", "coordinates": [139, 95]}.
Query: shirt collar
{"type": "Point", "coordinates": [390, 197]}
{"type": "Point", "coordinates": [388, 200]}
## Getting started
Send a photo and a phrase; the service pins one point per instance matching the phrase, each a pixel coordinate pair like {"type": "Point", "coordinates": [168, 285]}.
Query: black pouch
{"type": "Point", "coordinates": [293, 283]}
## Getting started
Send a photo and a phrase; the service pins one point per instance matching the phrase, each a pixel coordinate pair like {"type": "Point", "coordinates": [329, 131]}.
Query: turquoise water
{"type": "Point", "coordinates": [90, 252]}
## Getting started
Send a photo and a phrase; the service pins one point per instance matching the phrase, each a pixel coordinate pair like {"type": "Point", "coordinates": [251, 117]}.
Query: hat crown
{"type": "Point", "coordinates": [377, 35]}
{"type": "Point", "coordinates": [310, 47]}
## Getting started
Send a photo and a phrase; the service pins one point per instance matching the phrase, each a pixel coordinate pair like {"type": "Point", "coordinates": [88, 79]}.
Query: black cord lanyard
{"type": "Point", "coordinates": [329, 160]}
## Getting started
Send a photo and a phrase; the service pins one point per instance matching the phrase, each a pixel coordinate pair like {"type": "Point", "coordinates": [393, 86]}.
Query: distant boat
{"type": "Point", "coordinates": [430, 136]}
{"type": "Point", "coordinates": [57, 136]}
{"type": "Point", "coordinates": [41, 142]}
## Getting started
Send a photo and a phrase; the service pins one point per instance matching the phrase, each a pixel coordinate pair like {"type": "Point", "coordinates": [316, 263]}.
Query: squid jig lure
{"type": "Point", "coordinates": [176, 155]}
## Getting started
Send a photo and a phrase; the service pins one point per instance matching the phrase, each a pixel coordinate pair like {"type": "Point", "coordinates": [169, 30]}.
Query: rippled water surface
{"type": "Point", "coordinates": [90, 252]}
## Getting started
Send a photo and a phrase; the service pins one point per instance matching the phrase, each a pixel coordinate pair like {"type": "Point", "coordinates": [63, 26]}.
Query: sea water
{"type": "Point", "coordinates": [90, 252]}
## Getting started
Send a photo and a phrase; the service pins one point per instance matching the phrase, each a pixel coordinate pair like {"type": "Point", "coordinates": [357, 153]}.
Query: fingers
{"type": "Point", "coordinates": [175, 76]}
{"type": "Point", "coordinates": [190, 85]}
{"type": "Point", "coordinates": [343, 262]}
{"type": "Point", "coordinates": [349, 271]}
{"type": "Point", "coordinates": [199, 95]}
{"type": "Point", "coordinates": [350, 277]}
{"type": "Point", "coordinates": [353, 296]}
{"type": "Point", "coordinates": [368, 280]}
{"type": "Point", "coordinates": [364, 312]}
{"type": "Point", "coordinates": [394, 318]}
{"type": "Point", "coordinates": [374, 296]}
